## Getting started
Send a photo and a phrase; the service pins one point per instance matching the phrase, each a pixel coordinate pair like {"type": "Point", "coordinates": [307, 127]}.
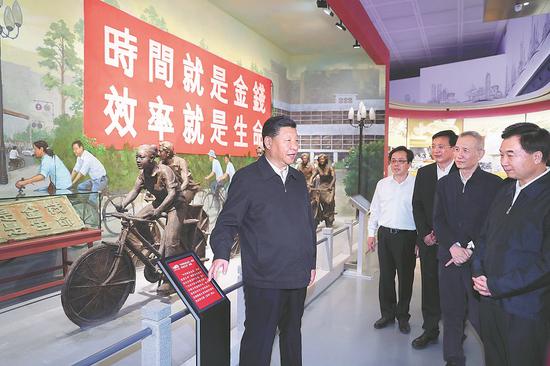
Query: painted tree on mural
{"type": "Point", "coordinates": [151, 16]}
{"type": "Point", "coordinates": [59, 57]}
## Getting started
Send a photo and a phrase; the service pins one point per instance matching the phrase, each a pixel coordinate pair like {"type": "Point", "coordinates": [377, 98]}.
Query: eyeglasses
{"type": "Point", "coordinates": [398, 161]}
{"type": "Point", "coordinates": [439, 147]}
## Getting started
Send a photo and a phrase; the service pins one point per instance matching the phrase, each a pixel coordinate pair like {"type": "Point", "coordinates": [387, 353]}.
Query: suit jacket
{"type": "Point", "coordinates": [460, 210]}
{"type": "Point", "coordinates": [275, 226]}
{"type": "Point", "coordinates": [514, 250]}
{"type": "Point", "coordinates": [423, 200]}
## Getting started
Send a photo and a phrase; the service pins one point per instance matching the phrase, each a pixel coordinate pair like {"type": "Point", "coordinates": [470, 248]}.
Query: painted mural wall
{"type": "Point", "coordinates": [44, 88]}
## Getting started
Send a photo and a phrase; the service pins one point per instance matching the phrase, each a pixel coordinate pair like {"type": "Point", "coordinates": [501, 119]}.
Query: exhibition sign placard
{"type": "Point", "coordinates": [143, 85]}
{"type": "Point", "coordinates": [190, 277]}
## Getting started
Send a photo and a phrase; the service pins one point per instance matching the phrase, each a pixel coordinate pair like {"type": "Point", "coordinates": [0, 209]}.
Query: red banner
{"type": "Point", "coordinates": [195, 282]}
{"type": "Point", "coordinates": [143, 85]}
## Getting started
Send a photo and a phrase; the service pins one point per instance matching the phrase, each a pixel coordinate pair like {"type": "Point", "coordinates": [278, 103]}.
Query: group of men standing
{"type": "Point", "coordinates": [483, 243]}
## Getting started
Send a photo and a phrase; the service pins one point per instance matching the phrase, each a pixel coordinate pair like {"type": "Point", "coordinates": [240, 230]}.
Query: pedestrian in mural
{"type": "Point", "coordinates": [51, 167]}
{"type": "Point", "coordinates": [259, 152]}
{"type": "Point", "coordinates": [161, 182]}
{"type": "Point", "coordinates": [180, 167]}
{"type": "Point", "coordinates": [327, 180]}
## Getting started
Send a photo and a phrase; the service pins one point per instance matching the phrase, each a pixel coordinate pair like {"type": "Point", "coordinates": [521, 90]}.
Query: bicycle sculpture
{"type": "Point", "coordinates": [101, 279]}
{"type": "Point", "coordinates": [99, 282]}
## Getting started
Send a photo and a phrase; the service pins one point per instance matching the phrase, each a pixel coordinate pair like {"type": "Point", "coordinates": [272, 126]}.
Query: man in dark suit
{"type": "Point", "coordinates": [268, 206]}
{"type": "Point", "coordinates": [511, 266]}
{"type": "Point", "coordinates": [442, 150]}
{"type": "Point", "coordinates": [461, 204]}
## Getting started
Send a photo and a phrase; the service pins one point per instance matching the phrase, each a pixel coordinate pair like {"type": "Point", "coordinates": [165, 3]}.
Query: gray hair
{"type": "Point", "coordinates": [480, 140]}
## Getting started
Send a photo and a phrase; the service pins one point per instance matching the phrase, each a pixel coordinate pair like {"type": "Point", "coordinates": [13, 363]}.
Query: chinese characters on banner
{"type": "Point", "coordinates": [143, 85]}
{"type": "Point", "coordinates": [195, 282]}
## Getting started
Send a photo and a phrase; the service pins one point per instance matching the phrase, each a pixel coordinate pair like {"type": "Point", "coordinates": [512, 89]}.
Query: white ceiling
{"type": "Point", "coordinates": [422, 33]}
{"type": "Point", "coordinates": [418, 33]}
{"type": "Point", "coordinates": [296, 26]}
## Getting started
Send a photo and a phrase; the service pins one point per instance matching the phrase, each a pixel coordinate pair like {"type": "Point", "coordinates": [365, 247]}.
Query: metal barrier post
{"type": "Point", "coordinates": [329, 249]}
{"type": "Point", "coordinates": [157, 348]}
{"type": "Point", "coordinates": [349, 224]}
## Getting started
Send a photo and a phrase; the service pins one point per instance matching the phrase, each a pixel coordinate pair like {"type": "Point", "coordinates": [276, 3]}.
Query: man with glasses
{"type": "Point", "coordinates": [442, 152]}
{"type": "Point", "coordinates": [462, 202]}
{"type": "Point", "coordinates": [391, 213]}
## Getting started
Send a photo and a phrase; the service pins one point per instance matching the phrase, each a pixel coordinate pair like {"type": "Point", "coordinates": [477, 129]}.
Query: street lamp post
{"type": "Point", "coordinates": [13, 20]}
{"type": "Point", "coordinates": [361, 121]}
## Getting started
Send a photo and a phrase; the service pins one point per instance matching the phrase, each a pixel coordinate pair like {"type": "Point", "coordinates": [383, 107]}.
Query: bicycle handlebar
{"type": "Point", "coordinates": [127, 217]}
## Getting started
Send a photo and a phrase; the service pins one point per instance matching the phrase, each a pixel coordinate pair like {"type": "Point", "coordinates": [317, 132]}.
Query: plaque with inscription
{"type": "Point", "coordinates": [36, 217]}
{"type": "Point", "coordinates": [190, 277]}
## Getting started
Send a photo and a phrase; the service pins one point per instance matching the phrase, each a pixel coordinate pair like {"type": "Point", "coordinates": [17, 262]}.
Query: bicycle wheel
{"type": "Point", "coordinates": [112, 224]}
{"type": "Point", "coordinates": [86, 297]}
{"type": "Point", "coordinates": [208, 204]}
{"type": "Point", "coordinates": [87, 212]}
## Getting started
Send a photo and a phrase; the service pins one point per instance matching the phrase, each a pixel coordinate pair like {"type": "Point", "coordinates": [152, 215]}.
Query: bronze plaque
{"type": "Point", "coordinates": [36, 217]}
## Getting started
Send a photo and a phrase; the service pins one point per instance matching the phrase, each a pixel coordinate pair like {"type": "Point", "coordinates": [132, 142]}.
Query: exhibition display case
{"type": "Point", "coordinates": [34, 226]}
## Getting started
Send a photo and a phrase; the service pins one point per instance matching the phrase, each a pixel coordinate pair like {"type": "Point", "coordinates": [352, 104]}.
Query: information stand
{"type": "Point", "coordinates": [207, 303]}
{"type": "Point", "coordinates": [362, 205]}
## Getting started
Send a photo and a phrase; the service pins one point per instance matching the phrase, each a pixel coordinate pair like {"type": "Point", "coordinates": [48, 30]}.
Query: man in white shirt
{"type": "Point", "coordinates": [229, 170]}
{"type": "Point", "coordinates": [391, 213]}
{"type": "Point", "coordinates": [87, 164]}
{"type": "Point", "coordinates": [217, 171]}
{"type": "Point", "coordinates": [14, 155]}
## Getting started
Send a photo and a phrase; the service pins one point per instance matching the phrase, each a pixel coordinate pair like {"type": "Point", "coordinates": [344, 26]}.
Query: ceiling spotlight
{"type": "Point", "coordinates": [328, 11]}
{"type": "Point", "coordinates": [356, 44]}
{"type": "Point", "coordinates": [340, 25]}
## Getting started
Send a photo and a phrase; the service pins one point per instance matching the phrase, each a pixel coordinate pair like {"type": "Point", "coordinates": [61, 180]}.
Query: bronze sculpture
{"type": "Point", "coordinates": [161, 182]}
{"type": "Point", "coordinates": [180, 167]}
{"type": "Point", "coordinates": [326, 187]}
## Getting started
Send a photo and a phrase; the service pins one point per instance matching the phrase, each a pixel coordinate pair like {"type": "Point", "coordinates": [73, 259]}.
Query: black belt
{"type": "Point", "coordinates": [395, 231]}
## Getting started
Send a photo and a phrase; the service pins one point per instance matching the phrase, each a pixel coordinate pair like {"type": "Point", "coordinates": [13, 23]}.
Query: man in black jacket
{"type": "Point", "coordinates": [268, 206]}
{"type": "Point", "coordinates": [461, 204]}
{"type": "Point", "coordinates": [442, 150]}
{"type": "Point", "coordinates": [511, 266]}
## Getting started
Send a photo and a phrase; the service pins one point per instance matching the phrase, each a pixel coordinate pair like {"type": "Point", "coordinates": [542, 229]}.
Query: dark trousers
{"type": "Point", "coordinates": [510, 340]}
{"type": "Point", "coordinates": [429, 268]}
{"type": "Point", "coordinates": [459, 302]}
{"type": "Point", "coordinates": [396, 254]}
{"type": "Point", "coordinates": [266, 310]}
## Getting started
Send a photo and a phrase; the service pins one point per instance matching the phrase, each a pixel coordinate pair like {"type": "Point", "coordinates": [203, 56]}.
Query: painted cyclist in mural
{"type": "Point", "coordinates": [323, 181]}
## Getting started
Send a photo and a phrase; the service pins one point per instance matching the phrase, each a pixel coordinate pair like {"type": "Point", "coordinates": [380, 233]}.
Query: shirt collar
{"type": "Point", "coordinates": [267, 170]}
{"type": "Point", "coordinates": [519, 188]}
{"type": "Point", "coordinates": [447, 168]}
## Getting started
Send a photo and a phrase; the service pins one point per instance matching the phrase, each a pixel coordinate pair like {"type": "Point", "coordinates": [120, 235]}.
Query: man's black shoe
{"type": "Point", "coordinates": [383, 322]}
{"type": "Point", "coordinates": [451, 363]}
{"type": "Point", "coordinates": [424, 340]}
{"type": "Point", "coordinates": [404, 326]}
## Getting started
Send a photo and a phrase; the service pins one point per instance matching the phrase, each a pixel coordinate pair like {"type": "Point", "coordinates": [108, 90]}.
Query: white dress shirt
{"type": "Point", "coordinates": [443, 172]}
{"type": "Point", "coordinates": [280, 172]}
{"type": "Point", "coordinates": [87, 164]}
{"type": "Point", "coordinates": [392, 205]}
{"type": "Point", "coordinates": [519, 188]}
